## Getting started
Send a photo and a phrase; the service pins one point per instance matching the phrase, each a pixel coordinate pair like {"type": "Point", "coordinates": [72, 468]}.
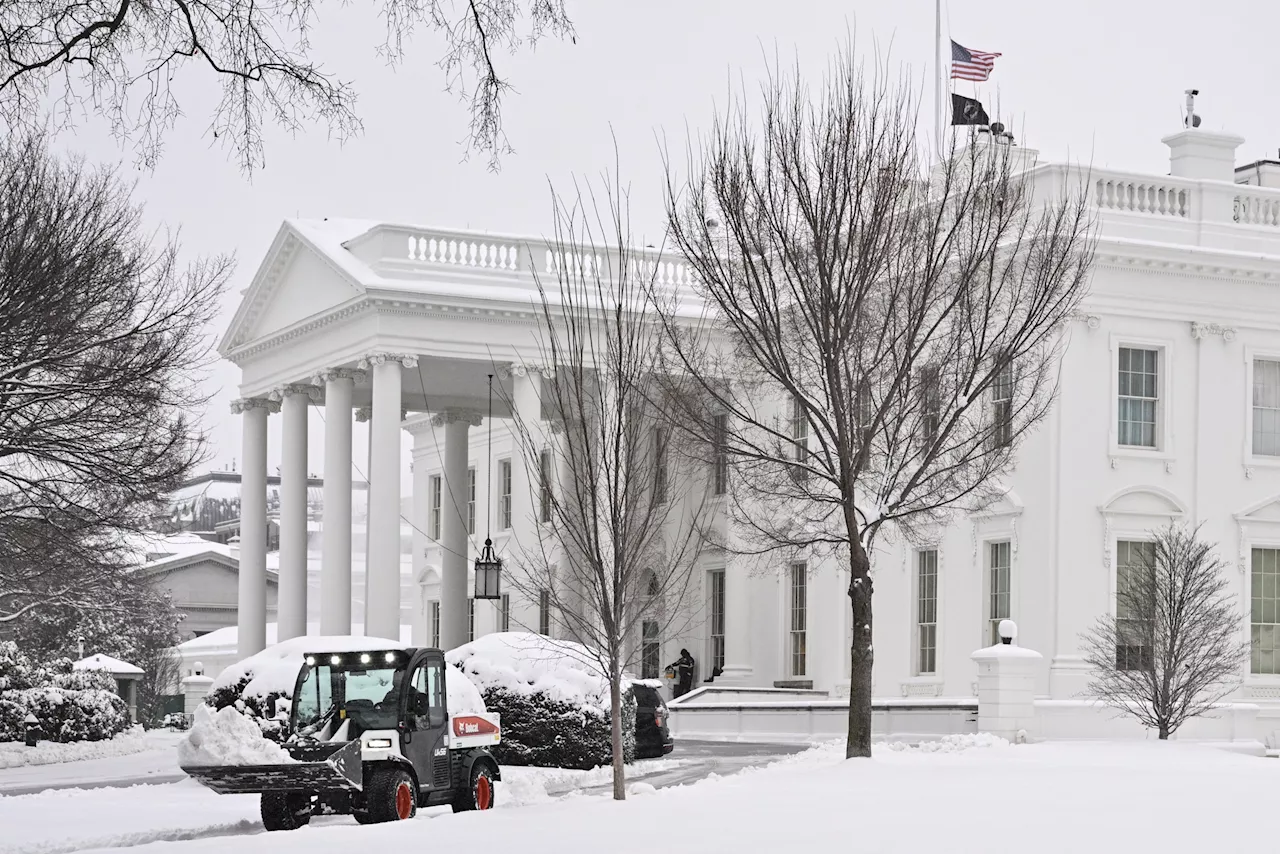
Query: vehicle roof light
{"type": "Point", "coordinates": [391, 656]}
{"type": "Point", "coordinates": [311, 661]}
{"type": "Point", "coordinates": [335, 660]}
{"type": "Point", "coordinates": [365, 658]}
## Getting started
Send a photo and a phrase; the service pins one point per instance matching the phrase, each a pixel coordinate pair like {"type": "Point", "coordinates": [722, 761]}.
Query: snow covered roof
{"type": "Point", "coordinates": [114, 666]}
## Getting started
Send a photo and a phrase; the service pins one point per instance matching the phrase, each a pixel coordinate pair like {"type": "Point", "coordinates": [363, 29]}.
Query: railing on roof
{"type": "Point", "coordinates": [407, 249]}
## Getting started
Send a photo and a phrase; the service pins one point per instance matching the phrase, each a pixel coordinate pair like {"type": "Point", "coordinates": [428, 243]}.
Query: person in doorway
{"type": "Point", "coordinates": [683, 667]}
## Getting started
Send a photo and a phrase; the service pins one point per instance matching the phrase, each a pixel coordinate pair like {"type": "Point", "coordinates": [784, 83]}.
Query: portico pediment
{"type": "Point", "coordinates": [1267, 511]}
{"type": "Point", "coordinates": [307, 272]}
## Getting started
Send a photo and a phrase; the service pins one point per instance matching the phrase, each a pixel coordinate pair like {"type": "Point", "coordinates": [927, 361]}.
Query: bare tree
{"type": "Point", "coordinates": [1172, 648]}
{"type": "Point", "coordinates": [162, 670]}
{"type": "Point", "coordinates": [872, 336]}
{"type": "Point", "coordinates": [102, 52]}
{"type": "Point", "coordinates": [624, 530]}
{"type": "Point", "coordinates": [103, 339]}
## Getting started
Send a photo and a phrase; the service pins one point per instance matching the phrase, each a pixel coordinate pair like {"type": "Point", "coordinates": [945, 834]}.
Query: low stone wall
{"type": "Point", "coordinates": [801, 721]}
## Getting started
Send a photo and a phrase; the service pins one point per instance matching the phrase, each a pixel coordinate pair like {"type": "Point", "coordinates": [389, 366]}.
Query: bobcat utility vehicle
{"type": "Point", "coordinates": [371, 736]}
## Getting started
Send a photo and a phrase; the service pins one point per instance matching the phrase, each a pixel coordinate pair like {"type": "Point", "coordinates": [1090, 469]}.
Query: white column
{"type": "Point", "coordinates": [737, 610]}
{"type": "Point", "coordinates": [453, 525]}
{"type": "Point", "coordinates": [335, 558]}
{"type": "Point", "coordinates": [530, 435]}
{"type": "Point", "coordinates": [251, 616]}
{"type": "Point", "coordinates": [421, 431]}
{"type": "Point", "coordinates": [382, 580]}
{"type": "Point", "coordinates": [365, 416]}
{"type": "Point", "coordinates": [291, 611]}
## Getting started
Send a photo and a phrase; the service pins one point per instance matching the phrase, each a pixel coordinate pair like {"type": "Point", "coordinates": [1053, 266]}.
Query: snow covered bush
{"type": "Point", "coordinates": [552, 696]}
{"type": "Point", "coordinates": [261, 686]}
{"type": "Point", "coordinates": [70, 705]}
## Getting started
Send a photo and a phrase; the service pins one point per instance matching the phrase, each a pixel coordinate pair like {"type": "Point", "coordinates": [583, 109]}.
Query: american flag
{"type": "Point", "coordinates": [971, 64]}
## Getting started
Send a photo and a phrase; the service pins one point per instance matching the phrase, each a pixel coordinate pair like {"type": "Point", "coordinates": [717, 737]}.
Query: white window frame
{"type": "Point", "coordinates": [1121, 537]}
{"type": "Point", "coordinates": [712, 573]}
{"type": "Point", "coordinates": [799, 429]}
{"type": "Point", "coordinates": [1165, 368]}
{"type": "Point", "coordinates": [435, 493]}
{"type": "Point", "coordinates": [1249, 458]}
{"type": "Point", "coordinates": [504, 494]}
{"type": "Point", "coordinates": [984, 557]}
{"type": "Point", "coordinates": [917, 556]}
{"type": "Point", "coordinates": [720, 454]}
{"type": "Point", "coordinates": [544, 612]}
{"type": "Point", "coordinates": [1249, 545]}
{"type": "Point", "coordinates": [471, 500]}
{"type": "Point", "coordinates": [788, 616]}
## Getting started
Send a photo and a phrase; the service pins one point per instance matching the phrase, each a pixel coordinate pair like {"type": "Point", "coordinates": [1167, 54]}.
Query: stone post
{"type": "Point", "coordinates": [1007, 687]}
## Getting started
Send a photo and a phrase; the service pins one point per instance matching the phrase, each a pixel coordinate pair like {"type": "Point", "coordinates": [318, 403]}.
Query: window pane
{"type": "Point", "coordinates": [1264, 613]}
{"type": "Point", "coordinates": [926, 610]}
{"type": "Point", "coordinates": [1138, 386]}
{"type": "Point", "coordinates": [799, 617]}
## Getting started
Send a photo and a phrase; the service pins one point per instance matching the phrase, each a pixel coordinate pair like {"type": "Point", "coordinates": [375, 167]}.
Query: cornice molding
{"type": "Point", "coordinates": [244, 404]}
{"type": "Point", "coordinates": [1204, 330]}
{"type": "Point", "coordinates": [457, 416]}
{"type": "Point", "coordinates": [372, 360]}
{"type": "Point", "coordinates": [1093, 321]}
{"type": "Point", "coordinates": [523, 370]}
{"type": "Point", "coordinates": [333, 374]}
{"type": "Point", "coordinates": [284, 336]}
{"type": "Point", "coordinates": [279, 394]}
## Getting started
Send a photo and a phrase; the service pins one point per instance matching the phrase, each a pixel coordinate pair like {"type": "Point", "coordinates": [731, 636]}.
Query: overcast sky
{"type": "Point", "coordinates": [1089, 81]}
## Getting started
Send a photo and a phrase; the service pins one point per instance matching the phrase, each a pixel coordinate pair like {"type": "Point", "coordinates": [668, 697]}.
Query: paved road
{"type": "Point", "coordinates": [700, 759]}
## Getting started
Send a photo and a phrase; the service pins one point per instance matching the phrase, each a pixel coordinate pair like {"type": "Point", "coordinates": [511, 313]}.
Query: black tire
{"type": "Point", "coordinates": [478, 795]}
{"type": "Point", "coordinates": [285, 810]}
{"type": "Point", "coordinates": [390, 796]}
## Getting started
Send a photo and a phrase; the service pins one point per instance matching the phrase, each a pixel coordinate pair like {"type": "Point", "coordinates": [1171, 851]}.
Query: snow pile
{"type": "Point", "coordinates": [461, 694]}
{"type": "Point", "coordinates": [227, 737]}
{"type": "Point", "coordinates": [525, 663]}
{"type": "Point", "coordinates": [952, 743]}
{"type": "Point", "coordinates": [17, 754]}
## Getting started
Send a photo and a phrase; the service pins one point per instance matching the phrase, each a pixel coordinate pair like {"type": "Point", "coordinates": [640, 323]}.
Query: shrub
{"type": "Point", "coordinates": [71, 705]}
{"type": "Point", "coordinates": [552, 697]}
{"type": "Point", "coordinates": [546, 733]}
{"type": "Point", "coordinates": [64, 715]}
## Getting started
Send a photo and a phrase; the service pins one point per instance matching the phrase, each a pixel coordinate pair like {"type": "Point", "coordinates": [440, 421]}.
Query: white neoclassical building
{"type": "Point", "coordinates": [1169, 410]}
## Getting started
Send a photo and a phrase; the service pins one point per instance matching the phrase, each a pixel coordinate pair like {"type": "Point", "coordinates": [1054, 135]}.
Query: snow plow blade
{"type": "Point", "coordinates": [320, 767]}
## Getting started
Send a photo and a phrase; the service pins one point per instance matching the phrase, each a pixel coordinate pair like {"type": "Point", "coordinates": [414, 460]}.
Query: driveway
{"type": "Point", "coordinates": [156, 767]}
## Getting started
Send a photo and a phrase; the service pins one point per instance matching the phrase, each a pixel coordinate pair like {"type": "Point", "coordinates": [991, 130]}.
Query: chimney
{"type": "Point", "coordinates": [234, 545]}
{"type": "Point", "coordinates": [1203, 154]}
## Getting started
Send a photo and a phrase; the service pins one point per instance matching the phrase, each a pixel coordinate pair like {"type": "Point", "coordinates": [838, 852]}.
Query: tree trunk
{"type": "Point", "coordinates": [615, 715]}
{"type": "Point", "coordinates": [1164, 731]}
{"type": "Point", "coordinates": [861, 654]}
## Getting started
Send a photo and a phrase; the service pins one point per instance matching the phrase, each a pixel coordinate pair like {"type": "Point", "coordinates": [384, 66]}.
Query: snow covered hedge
{"type": "Point", "coordinates": [71, 705]}
{"type": "Point", "coordinates": [552, 696]}
{"type": "Point", "coordinates": [261, 686]}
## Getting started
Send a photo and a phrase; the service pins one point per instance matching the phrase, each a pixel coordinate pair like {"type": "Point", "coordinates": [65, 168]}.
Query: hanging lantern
{"type": "Point", "coordinates": [488, 573]}
{"type": "Point", "coordinates": [489, 565]}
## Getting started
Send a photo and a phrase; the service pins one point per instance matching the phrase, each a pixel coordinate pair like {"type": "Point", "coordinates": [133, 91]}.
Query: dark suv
{"type": "Point", "coordinates": [653, 737]}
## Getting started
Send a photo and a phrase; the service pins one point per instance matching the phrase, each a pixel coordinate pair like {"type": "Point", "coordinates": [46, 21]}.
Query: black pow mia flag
{"type": "Point", "coordinates": [967, 111]}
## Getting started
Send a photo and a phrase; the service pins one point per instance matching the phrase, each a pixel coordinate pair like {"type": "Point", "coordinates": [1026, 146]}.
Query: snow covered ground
{"type": "Point", "coordinates": [971, 795]}
{"type": "Point", "coordinates": [15, 754]}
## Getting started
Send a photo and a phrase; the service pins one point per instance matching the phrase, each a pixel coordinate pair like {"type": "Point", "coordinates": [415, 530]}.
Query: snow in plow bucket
{"type": "Point", "coordinates": [369, 733]}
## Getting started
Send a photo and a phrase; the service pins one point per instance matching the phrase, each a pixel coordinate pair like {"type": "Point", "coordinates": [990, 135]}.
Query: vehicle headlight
{"type": "Point", "coordinates": [378, 743]}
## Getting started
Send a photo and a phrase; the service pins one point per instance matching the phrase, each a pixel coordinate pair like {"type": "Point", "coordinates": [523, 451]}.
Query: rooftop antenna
{"type": "Point", "coordinates": [1191, 120]}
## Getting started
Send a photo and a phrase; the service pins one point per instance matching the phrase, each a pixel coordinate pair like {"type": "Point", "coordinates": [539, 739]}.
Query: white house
{"type": "Point", "coordinates": [1169, 409]}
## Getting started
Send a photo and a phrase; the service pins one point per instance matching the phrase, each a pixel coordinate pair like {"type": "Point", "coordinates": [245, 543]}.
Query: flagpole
{"type": "Point", "coordinates": [937, 74]}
